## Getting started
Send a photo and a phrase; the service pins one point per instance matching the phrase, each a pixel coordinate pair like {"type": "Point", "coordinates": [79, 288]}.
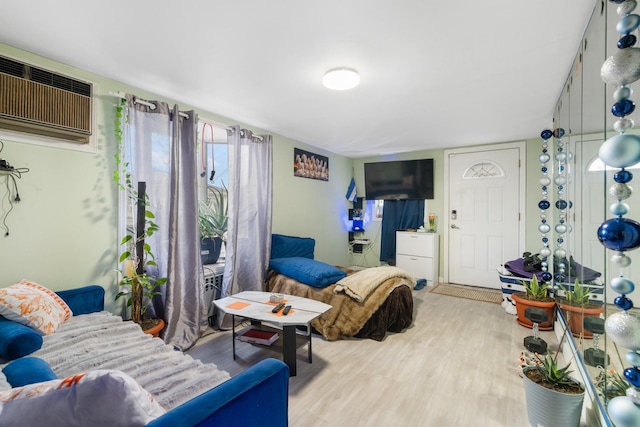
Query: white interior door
{"type": "Point", "coordinates": [484, 205]}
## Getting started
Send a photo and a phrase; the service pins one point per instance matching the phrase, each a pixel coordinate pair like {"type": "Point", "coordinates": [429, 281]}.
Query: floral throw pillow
{"type": "Point", "coordinates": [34, 306]}
{"type": "Point", "coordinates": [96, 398]}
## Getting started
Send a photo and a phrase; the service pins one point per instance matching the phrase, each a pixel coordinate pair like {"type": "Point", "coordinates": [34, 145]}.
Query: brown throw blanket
{"type": "Point", "coordinates": [359, 285]}
{"type": "Point", "coordinates": [349, 318]}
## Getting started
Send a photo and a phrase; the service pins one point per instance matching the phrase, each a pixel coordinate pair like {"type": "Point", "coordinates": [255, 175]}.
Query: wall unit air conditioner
{"type": "Point", "coordinates": [37, 101]}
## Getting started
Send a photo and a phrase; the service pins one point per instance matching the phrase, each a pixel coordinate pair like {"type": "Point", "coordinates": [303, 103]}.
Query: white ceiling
{"type": "Point", "coordinates": [434, 74]}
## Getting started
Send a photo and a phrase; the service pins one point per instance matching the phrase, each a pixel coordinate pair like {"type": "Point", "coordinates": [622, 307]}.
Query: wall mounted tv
{"type": "Point", "coordinates": [401, 179]}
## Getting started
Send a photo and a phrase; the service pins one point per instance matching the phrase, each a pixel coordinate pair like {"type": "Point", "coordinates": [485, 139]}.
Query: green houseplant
{"type": "Point", "coordinates": [213, 219]}
{"type": "Point", "coordinates": [536, 294]}
{"type": "Point", "coordinates": [554, 399]}
{"type": "Point", "coordinates": [139, 279]}
{"type": "Point", "coordinates": [576, 306]}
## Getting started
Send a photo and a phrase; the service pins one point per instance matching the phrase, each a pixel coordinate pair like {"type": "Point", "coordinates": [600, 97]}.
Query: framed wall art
{"type": "Point", "coordinates": [310, 165]}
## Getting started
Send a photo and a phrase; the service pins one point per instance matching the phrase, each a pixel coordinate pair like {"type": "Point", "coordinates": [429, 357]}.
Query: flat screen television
{"type": "Point", "coordinates": [401, 179]}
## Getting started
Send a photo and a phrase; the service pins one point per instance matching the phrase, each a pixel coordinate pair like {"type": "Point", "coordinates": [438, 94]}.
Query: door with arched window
{"type": "Point", "coordinates": [484, 221]}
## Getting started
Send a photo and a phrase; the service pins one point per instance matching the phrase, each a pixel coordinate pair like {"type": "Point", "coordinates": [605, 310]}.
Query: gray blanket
{"type": "Point", "coordinates": [104, 341]}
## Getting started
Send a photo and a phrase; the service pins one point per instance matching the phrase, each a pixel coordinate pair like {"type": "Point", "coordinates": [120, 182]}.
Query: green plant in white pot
{"type": "Point", "coordinates": [554, 399]}
{"type": "Point", "coordinates": [213, 219]}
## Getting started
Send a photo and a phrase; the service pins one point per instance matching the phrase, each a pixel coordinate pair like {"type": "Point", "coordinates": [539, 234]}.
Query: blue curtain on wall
{"type": "Point", "coordinates": [398, 215]}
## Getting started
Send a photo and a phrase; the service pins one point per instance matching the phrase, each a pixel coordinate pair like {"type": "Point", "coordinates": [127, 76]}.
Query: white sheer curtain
{"type": "Point", "coordinates": [250, 211]}
{"type": "Point", "coordinates": [160, 149]}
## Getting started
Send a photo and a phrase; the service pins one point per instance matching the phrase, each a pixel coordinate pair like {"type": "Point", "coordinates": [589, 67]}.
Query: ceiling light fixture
{"type": "Point", "coordinates": [341, 78]}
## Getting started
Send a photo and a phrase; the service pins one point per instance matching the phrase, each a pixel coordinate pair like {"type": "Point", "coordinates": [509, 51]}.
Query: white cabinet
{"type": "Point", "coordinates": [418, 254]}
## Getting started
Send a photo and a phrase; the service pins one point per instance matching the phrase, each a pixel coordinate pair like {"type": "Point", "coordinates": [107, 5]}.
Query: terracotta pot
{"type": "Point", "coordinates": [575, 315]}
{"type": "Point", "coordinates": [522, 303]}
{"type": "Point", "coordinates": [155, 330]}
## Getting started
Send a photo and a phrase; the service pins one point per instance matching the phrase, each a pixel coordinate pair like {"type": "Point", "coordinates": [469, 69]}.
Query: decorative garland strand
{"type": "Point", "coordinates": [544, 204]}
{"type": "Point", "coordinates": [622, 234]}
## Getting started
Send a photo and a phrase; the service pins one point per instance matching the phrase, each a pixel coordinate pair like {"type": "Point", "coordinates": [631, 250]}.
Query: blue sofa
{"type": "Point", "coordinates": [256, 397]}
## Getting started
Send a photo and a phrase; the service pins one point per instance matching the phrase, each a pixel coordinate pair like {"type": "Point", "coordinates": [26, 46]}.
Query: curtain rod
{"type": "Point", "coordinates": [148, 104]}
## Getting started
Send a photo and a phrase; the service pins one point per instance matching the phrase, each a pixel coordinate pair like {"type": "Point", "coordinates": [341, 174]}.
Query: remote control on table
{"type": "Point", "coordinates": [277, 308]}
{"type": "Point", "coordinates": [286, 310]}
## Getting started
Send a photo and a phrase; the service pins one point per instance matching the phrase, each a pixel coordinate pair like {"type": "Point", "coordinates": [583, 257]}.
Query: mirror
{"type": "Point", "coordinates": [583, 111]}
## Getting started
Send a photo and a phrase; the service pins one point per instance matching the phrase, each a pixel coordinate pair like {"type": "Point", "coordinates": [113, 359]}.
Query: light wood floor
{"type": "Point", "coordinates": [455, 366]}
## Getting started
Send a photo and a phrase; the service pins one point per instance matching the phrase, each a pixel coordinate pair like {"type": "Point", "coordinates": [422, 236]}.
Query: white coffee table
{"type": "Point", "coordinates": [255, 305]}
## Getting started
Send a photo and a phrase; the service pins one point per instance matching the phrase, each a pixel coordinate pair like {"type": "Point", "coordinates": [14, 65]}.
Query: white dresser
{"type": "Point", "coordinates": [418, 254]}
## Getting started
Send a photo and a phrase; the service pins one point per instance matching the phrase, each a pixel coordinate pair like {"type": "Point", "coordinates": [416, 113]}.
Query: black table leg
{"type": "Point", "coordinates": [233, 335]}
{"type": "Point", "coordinates": [289, 348]}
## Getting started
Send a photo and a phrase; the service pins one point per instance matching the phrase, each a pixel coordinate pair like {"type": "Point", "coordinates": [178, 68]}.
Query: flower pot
{"type": "Point", "coordinates": [154, 331]}
{"type": "Point", "coordinates": [550, 408]}
{"type": "Point", "coordinates": [522, 303]}
{"type": "Point", "coordinates": [210, 248]}
{"type": "Point", "coordinates": [575, 316]}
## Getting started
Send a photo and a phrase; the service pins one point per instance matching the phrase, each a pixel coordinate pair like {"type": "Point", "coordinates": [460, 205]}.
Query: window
{"type": "Point", "coordinates": [485, 169]}
{"type": "Point", "coordinates": [214, 171]}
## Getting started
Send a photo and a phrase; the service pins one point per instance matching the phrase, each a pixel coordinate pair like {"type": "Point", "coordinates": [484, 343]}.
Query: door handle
{"type": "Point", "coordinates": [455, 227]}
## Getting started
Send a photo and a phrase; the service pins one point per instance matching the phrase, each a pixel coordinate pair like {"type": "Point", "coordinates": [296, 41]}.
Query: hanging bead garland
{"type": "Point", "coordinates": [561, 228]}
{"type": "Point", "coordinates": [622, 234]}
{"type": "Point", "coordinates": [544, 204]}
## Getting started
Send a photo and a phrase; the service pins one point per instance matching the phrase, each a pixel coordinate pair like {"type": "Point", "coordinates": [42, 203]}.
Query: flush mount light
{"type": "Point", "coordinates": [341, 79]}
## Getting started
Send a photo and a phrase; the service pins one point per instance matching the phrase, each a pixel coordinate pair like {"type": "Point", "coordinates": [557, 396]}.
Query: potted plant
{"type": "Point", "coordinates": [576, 305]}
{"type": "Point", "coordinates": [213, 219]}
{"type": "Point", "coordinates": [535, 295]}
{"type": "Point", "coordinates": [139, 280]}
{"type": "Point", "coordinates": [554, 399]}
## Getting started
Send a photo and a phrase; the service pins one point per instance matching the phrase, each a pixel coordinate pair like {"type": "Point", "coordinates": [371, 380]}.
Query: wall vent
{"type": "Point", "coordinates": [37, 101]}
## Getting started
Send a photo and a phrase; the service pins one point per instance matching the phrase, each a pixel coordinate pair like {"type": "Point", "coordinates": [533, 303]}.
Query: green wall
{"type": "Point", "coordinates": [370, 256]}
{"type": "Point", "coordinates": [63, 232]}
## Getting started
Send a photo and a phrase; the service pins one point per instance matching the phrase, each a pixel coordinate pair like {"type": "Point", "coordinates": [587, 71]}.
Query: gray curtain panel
{"type": "Point", "coordinates": [250, 211]}
{"type": "Point", "coordinates": [161, 150]}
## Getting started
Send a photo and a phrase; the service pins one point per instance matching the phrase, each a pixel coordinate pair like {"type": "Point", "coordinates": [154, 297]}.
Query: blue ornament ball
{"type": "Point", "coordinates": [623, 176]}
{"type": "Point", "coordinates": [623, 303]}
{"type": "Point", "coordinates": [623, 412]}
{"type": "Point", "coordinates": [546, 134]}
{"type": "Point", "coordinates": [622, 285]}
{"type": "Point", "coordinates": [623, 92]}
{"type": "Point", "coordinates": [546, 276]}
{"type": "Point", "coordinates": [561, 204]}
{"type": "Point", "coordinates": [620, 151]}
{"type": "Point", "coordinates": [632, 375]}
{"type": "Point", "coordinates": [633, 358]}
{"type": "Point", "coordinates": [619, 208]}
{"type": "Point", "coordinates": [544, 204]}
{"type": "Point", "coordinates": [623, 108]}
{"type": "Point", "coordinates": [620, 234]}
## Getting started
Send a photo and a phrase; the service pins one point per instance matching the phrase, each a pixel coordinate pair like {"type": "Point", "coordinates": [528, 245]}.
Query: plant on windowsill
{"type": "Point", "coordinates": [535, 295]}
{"type": "Point", "coordinates": [213, 219]}
{"type": "Point", "coordinates": [139, 281]}
{"type": "Point", "coordinates": [553, 397]}
{"type": "Point", "coordinates": [576, 305]}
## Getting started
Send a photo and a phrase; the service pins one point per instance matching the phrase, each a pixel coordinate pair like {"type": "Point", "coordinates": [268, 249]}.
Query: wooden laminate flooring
{"type": "Point", "coordinates": [455, 366]}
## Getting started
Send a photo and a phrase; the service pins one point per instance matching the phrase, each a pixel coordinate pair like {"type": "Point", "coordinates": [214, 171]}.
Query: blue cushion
{"type": "Point", "coordinates": [28, 370]}
{"type": "Point", "coordinates": [308, 271]}
{"type": "Point", "coordinates": [17, 340]}
{"type": "Point", "coordinates": [289, 246]}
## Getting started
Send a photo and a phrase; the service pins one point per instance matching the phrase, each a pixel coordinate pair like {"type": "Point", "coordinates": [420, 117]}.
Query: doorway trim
{"type": "Point", "coordinates": [522, 149]}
